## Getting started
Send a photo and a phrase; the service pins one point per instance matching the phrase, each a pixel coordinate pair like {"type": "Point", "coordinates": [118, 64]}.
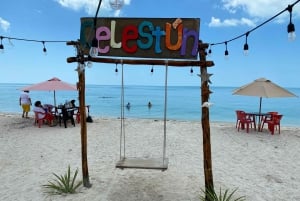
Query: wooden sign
{"type": "Point", "coordinates": [161, 38]}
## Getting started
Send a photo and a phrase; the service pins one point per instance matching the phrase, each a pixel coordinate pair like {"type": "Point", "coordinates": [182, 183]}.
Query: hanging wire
{"type": "Point", "coordinates": [251, 30]}
{"type": "Point", "coordinates": [211, 44]}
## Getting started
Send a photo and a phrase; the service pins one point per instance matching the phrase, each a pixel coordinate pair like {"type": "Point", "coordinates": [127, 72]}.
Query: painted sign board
{"type": "Point", "coordinates": [158, 38]}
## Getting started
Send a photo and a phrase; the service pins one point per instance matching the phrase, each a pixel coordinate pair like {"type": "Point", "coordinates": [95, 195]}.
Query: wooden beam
{"type": "Point", "coordinates": [178, 63]}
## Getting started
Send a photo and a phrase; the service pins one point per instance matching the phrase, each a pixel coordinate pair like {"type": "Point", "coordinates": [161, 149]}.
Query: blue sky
{"type": "Point", "coordinates": [271, 55]}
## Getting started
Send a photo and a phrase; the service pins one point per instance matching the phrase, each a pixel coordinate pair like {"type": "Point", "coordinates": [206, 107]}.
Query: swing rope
{"type": "Point", "coordinates": [122, 133]}
{"type": "Point", "coordinates": [165, 113]}
{"type": "Point", "coordinates": [159, 164]}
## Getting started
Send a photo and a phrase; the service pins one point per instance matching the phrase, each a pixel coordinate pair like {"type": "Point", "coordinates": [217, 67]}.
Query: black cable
{"type": "Point", "coordinates": [248, 32]}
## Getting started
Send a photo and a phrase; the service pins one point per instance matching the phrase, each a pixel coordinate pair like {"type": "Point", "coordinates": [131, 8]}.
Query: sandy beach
{"type": "Point", "coordinates": [263, 167]}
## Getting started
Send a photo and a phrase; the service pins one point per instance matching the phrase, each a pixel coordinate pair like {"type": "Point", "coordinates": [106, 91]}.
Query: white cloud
{"type": "Point", "coordinates": [256, 11]}
{"type": "Point", "coordinates": [4, 24]}
{"type": "Point", "coordinates": [90, 6]}
{"type": "Point", "coordinates": [258, 8]}
{"type": "Point", "coordinates": [216, 22]}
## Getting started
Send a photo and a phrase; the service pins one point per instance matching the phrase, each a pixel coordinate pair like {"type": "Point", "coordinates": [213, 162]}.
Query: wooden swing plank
{"type": "Point", "coordinates": [143, 163]}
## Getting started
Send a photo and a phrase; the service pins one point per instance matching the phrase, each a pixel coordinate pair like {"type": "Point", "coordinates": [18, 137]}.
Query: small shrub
{"type": "Point", "coordinates": [63, 184]}
{"type": "Point", "coordinates": [211, 195]}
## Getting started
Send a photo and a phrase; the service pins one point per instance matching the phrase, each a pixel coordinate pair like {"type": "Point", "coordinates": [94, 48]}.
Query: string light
{"type": "Point", "coordinates": [291, 26]}
{"type": "Point", "coordinates": [226, 51]}
{"type": "Point", "coordinates": [116, 69]}
{"type": "Point", "coordinates": [1, 45]}
{"type": "Point", "coordinates": [191, 71]}
{"type": "Point", "coordinates": [44, 49]}
{"type": "Point", "coordinates": [29, 40]}
{"type": "Point", "coordinates": [152, 70]}
{"type": "Point", "coordinates": [246, 46]}
{"type": "Point", "coordinates": [209, 50]}
{"type": "Point", "coordinates": [290, 29]}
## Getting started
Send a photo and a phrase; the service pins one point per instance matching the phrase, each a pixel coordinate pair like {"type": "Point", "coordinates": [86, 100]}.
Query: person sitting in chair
{"type": "Point", "coordinates": [42, 113]}
{"type": "Point", "coordinates": [66, 115]}
{"type": "Point", "coordinates": [72, 103]}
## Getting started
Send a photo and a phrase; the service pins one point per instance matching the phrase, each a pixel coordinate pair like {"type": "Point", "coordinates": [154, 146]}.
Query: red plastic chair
{"type": "Point", "coordinates": [245, 120]}
{"type": "Point", "coordinates": [267, 119]}
{"type": "Point", "coordinates": [78, 116]}
{"type": "Point", "coordinates": [40, 121]}
{"type": "Point", "coordinates": [274, 123]}
{"type": "Point", "coordinates": [237, 117]}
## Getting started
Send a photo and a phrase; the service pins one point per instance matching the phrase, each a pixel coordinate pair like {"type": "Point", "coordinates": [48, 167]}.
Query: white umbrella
{"type": "Point", "coordinates": [263, 88]}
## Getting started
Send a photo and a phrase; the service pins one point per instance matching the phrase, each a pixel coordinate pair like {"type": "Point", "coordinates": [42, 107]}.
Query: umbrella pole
{"type": "Point", "coordinates": [259, 112]}
{"type": "Point", "coordinates": [54, 99]}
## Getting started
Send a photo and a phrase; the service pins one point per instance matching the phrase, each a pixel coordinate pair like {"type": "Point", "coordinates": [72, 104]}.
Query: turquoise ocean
{"type": "Point", "coordinates": [183, 102]}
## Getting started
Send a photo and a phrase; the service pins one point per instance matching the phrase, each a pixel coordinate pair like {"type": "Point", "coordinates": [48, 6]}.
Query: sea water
{"type": "Point", "coordinates": [182, 102]}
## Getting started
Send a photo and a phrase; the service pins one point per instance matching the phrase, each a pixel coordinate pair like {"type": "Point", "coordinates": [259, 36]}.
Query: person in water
{"type": "Point", "coordinates": [149, 104]}
{"type": "Point", "coordinates": [128, 106]}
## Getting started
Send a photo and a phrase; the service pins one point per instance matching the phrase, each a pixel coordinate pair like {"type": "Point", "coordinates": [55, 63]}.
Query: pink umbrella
{"type": "Point", "coordinates": [53, 84]}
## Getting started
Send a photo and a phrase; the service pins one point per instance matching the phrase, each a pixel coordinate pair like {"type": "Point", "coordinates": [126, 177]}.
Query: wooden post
{"type": "Point", "coordinates": [209, 184]}
{"type": "Point", "coordinates": [85, 170]}
{"type": "Point", "coordinates": [82, 110]}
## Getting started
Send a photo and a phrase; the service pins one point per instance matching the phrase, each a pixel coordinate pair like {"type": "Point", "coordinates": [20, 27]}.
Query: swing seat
{"type": "Point", "coordinates": [143, 163]}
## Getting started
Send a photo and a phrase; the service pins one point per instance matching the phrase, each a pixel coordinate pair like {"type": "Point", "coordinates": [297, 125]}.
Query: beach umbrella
{"type": "Point", "coordinates": [53, 84]}
{"type": "Point", "coordinates": [263, 88]}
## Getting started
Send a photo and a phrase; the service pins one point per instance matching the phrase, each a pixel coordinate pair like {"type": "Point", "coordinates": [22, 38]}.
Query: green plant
{"type": "Point", "coordinates": [211, 195]}
{"type": "Point", "coordinates": [63, 184]}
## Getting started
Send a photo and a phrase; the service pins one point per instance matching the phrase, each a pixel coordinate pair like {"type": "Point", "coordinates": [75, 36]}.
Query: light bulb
{"type": "Point", "coordinates": [116, 4]}
{"type": "Point", "coordinates": [116, 69]}
{"type": "Point", "coordinates": [89, 64]}
{"type": "Point", "coordinates": [94, 48]}
{"type": "Point", "coordinates": [1, 48]}
{"type": "Point", "coordinates": [81, 67]}
{"type": "Point", "coordinates": [191, 71]}
{"type": "Point", "coordinates": [291, 36]}
{"type": "Point", "coordinates": [45, 51]}
{"type": "Point", "coordinates": [209, 52]}
{"type": "Point", "coordinates": [226, 55]}
{"type": "Point", "coordinates": [246, 49]}
{"type": "Point", "coordinates": [44, 48]}
{"type": "Point", "coordinates": [93, 51]}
